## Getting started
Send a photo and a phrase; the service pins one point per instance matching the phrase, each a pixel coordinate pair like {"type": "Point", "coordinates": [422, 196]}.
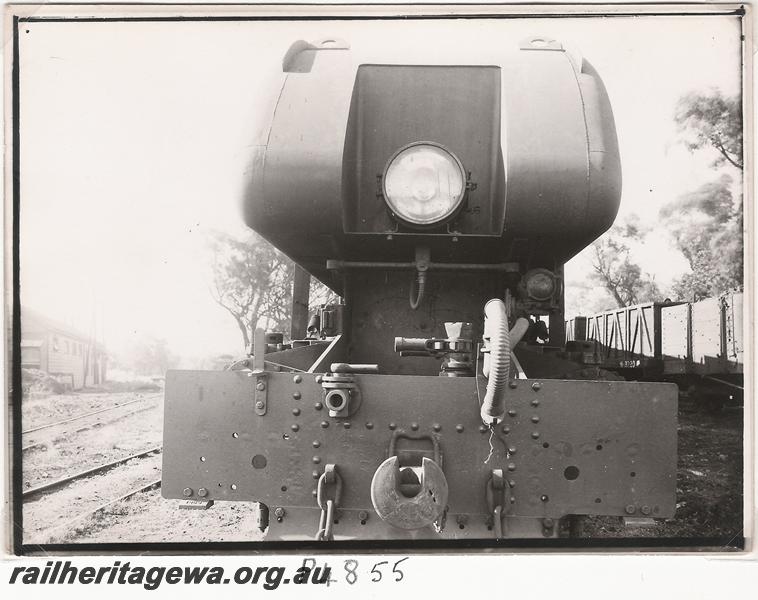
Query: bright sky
{"type": "Point", "coordinates": [135, 138]}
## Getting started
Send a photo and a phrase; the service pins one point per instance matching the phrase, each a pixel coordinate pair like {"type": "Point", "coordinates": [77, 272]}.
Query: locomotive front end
{"type": "Point", "coordinates": [435, 400]}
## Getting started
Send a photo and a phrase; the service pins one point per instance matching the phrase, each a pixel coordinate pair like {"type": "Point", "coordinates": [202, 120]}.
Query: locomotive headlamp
{"type": "Point", "coordinates": [424, 184]}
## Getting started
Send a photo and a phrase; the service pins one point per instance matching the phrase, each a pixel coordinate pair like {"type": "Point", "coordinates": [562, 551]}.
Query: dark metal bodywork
{"type": "Point", "coordinates": [535, 131]}
{"type": "Point", "coordinates": [566, 447]}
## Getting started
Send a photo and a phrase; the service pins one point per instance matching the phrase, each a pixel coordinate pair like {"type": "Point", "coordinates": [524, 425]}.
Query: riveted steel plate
{"type": "Point", "coordinates": [567, 447]}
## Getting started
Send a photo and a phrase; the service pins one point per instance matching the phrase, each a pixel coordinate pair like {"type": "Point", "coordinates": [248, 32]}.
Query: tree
{"type": "Point", "coordinates": [613, 268]}
{"type": "Point", "coordinates": [706, 224]}
{"type": "Point", "coordinates": [712, 120]}
{"type": "Point", "coordinates": [252, 281]}
{"type": "Point", "coordinates": [707, 229]}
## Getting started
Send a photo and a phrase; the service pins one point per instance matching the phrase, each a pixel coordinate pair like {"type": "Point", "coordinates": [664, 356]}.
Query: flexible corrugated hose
{"type": "Point", "coordinates": [497, 367]}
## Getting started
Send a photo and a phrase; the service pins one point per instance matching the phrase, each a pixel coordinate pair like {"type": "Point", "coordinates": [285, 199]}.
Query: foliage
{"type": "Point", "coordinates": [712, 120]}
{"type": "Point", "coordinates": [613, 268]}
{"type": "Point", "coordinates": [707, 228]}
{"type": "Point", "coordinates": [320, 295]}
{"type": "Point", "coordinates": [252, 281]}
{"type": "Point", "coordinates": [706, 224]}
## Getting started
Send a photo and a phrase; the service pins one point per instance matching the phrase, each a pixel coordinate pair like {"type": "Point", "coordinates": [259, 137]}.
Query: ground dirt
{"type": "Point", "coordinates": [709, 480]}
{"type": "Point", "coordinates": [68, 448]}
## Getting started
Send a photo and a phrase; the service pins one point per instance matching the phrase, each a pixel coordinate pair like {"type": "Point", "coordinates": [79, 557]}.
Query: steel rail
{"type": "Point", "coordinates": [90, 513]}
{"type": "Point", "coordinates": [124, 416]}
{"type": "Point", "coordinates": [98, 469]}
{"type": "Point", "coordinates": [726, 383]}
{"type": "Point", "coordinates": [89, 414]}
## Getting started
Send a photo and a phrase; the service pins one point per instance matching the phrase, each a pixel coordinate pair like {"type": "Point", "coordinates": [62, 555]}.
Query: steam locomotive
{"type": "Point", "coordinates": [436, 399]}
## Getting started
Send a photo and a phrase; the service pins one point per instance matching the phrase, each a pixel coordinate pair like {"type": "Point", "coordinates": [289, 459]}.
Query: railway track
{"type": "Point", "coordinates": [52, 509]}
{"type": "Point", "coordinates": [102, 507]}
{"type": "Point", "coordinates": [38, 443]}
{"type": "Point", "coordinates": [89, 414]}
{"type": "Point", "coordinates": [94, 461]}
{"type": "Point", "coordinates": [58, 483]}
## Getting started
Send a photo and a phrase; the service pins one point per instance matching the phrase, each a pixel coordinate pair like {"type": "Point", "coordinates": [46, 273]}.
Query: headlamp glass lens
{"type": "Point", "coordinates": [424, 184]}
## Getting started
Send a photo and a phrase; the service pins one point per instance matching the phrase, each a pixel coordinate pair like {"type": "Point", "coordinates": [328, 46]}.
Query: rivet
{"type": "Point", "coordinates": [316, 444]}
{"type": "Point", "coordinates": [535, 403]}
{"type": "Point", "coordinates": [369, 425]}
{"type": "Point", "coordinates": [511, 466]}
{"type": "Point", "coordinates": [363, 515]}
{"type": "Point", "coordinates": [295, 427]}
{"type": "Point", "coordinates": [511, 413]}
{"type": "Point", "coordinates": [483, 429]}
{"type": "Point", "coordinates": [535, 419]}
{"type": "Point", "coordinates": [459, 428]}
{"type": "Point", "coordinates": [297, 395]}
{"type": "Point", "coordinates": [314, 493]}
{"type": "Point", "coordinates": [512, 384]}
{"type": "Point", "coordinates": [506, 430]}
{"type": "Point", "coordinates": [324, 424]}
{"type": "Point", "coordinates": [187, 491]}
{"type": "Point", "coordinates": [461, 519]}
{"type": "Point", "coordinates": [511, 483]}
{"type": "Point", "coordinates": [544, 498]}
{"type": "Point", "coordinates": [437, 427]}
{"type": "Point", "coordinates": [319, 378]}
{"type": "Point", "coordinates": [535, 435]}
{"type": "Point", "coordinates": [316, 460]}
{"type": "Point", "coordinates": [279, 512]}
{"type": "Point", "coordinates": [202, 492]}
{"type": "Point", "coordinates": [259, 404]}
{"type": "Point", "coordinates": [346, 425]}
{"type": "Point", "coordinates": [645, 510]}
{"type": "Point", "coordinates": [318, 406]}
{"type": "Point", "coordinates": [260, 386]}
{"type": "Point", "coordinates": [513, 499]}
{"type": "Point", "coordinates": [414, 426]}
{"type": "Point", "coordinates": [547, 522]}
{"type": "Point", "coordinates": [630, 510]}
{"type": "Point", "coordinates": [296, 411]}
{"type": "Point", "coordinates": [297, 379]}
{"type": "Point", "coordinates": [393, 426]}
{"type": "Point", "coordinates": [536, 386]}
{"type": "Point", "coordinates": [315, 474]}
{"type": "Point", "coordinates": [512, 450]}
